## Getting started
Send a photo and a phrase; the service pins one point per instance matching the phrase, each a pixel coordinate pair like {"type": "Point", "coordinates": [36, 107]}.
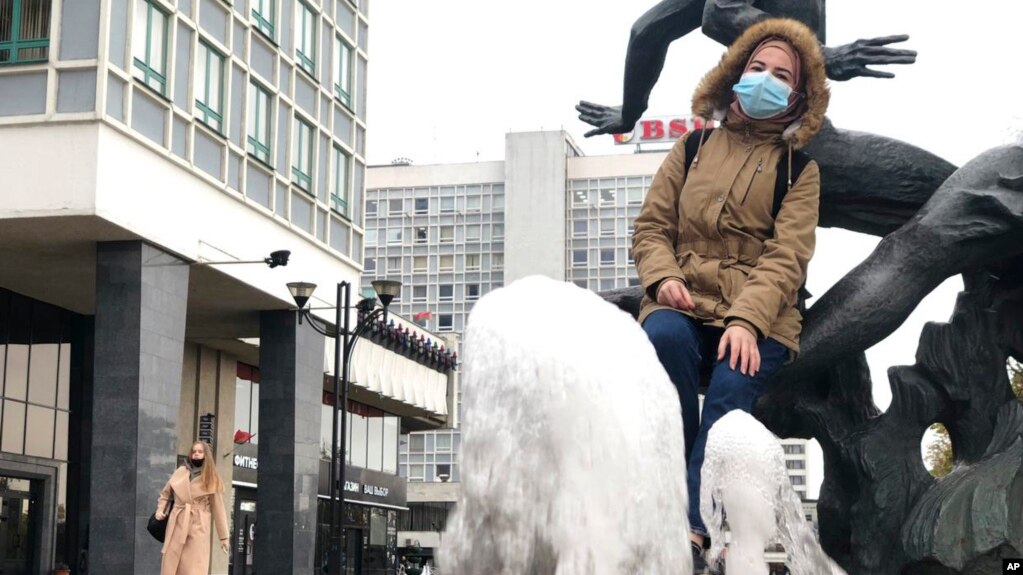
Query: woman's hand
{"type": "Point", "coordinates": [673, 293]}
{"type": "Point", "coordinates": [160, 515]}
{"type": "Point", "coordinates": [743, 350]}
{"type": "Point", "coordinates": [223, 545]}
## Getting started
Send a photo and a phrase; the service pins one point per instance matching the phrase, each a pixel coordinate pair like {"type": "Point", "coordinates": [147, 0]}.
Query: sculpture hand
{"type": "Point", "coordinates": [851, 60]}
{"type": "Point", "coordinates": [606, 119]}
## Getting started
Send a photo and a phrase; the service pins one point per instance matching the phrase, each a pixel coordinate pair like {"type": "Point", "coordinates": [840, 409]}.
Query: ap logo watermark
{"type": "Point", "coordinates": [1012, 566]}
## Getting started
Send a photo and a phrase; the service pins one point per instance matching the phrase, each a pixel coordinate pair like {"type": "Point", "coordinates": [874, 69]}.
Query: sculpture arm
{"type": "Point", "coordinates": [774, 282]}
{"type": "Point", "coordinates": [644, 59]}
{"type": "Point", "coordinates": [653, 243]}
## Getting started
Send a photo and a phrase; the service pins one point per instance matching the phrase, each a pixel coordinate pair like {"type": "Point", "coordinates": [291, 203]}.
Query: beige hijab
{"type": "Point", "coordinates": [797, 104]}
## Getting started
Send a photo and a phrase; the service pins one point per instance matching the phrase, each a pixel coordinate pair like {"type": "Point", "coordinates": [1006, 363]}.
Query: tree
{"type": "Point", "coordinates": [939, 451]}
{"type": "Point", "coordinates": [1016, 376]}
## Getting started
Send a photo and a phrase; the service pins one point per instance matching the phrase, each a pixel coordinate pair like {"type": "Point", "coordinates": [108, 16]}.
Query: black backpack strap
{"type": "Point", "coordinates": [781, 184]}
{"type": "Point", "coordinates": [693, 144]}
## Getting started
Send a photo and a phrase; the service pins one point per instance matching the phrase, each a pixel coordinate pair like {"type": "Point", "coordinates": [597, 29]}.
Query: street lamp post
{"type": "Point", "coordinates": [345, 339]}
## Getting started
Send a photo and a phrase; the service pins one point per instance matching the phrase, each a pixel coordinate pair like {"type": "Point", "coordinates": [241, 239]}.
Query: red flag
{"type": "Point", "coordinates": [422, 315]}
{"type": "Point", "coordinates": [241, 436]}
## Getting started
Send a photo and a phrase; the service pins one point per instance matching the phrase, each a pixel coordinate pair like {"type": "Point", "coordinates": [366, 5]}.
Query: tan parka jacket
{"type": "Point", "coordinates": [713, 227]}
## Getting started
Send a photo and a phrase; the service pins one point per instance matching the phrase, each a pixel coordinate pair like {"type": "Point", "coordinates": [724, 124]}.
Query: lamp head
{"type": "Point", "coordinates": [301, 292]}
{"type": "Point", "coordinates": [387, 290]}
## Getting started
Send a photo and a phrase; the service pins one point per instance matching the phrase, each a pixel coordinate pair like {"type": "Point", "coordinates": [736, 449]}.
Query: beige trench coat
{"type": "Point", "coordinates": [186, 549]}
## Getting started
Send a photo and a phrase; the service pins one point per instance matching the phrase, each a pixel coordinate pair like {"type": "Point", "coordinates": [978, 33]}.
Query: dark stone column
{"type": "Point", "coordinates": [141, 298]}
{"type": "Point", "coordinates": [290, 396]}
{"type": "Point", "coordinates": [79, 442]}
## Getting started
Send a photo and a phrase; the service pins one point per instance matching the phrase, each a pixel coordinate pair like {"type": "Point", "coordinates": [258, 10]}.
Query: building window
{"type": "Point", "coordinates": [343, 72]}
{"type": "Point", "coordinates": [422, 234]}
{"type": "Point", "coordinates": [472, 262]}
{"type": "Point", "coordinates": [447, 263]}
{"type": "Point", "coordinates": [305, 47]}
{"type": "Point", "coordinates": [422, 205]}
{"type": "Point", "coordinates": [370, 265]}
{"type": "Point", "coordinates": [394, 207]}
{"type": "Point", "coordinates": [498, 203]}
{"type": "Point", "coordinates": [394, 265]}
{"type": "Point", "coordinates": [472, 291]}
{"type": "Point", "coordinates": [394, 236]}
{"type": "Point", "coordinates": [472, 233]}
{"type": "Point", "coordinates": [371, 237]}
{"type": "Point", "coordinates": [607, 257]}
{"type": "Point", "coordinates": [447, 292]}
{"type": "Point", "coordinates": [635, 196]}
{"type": "Point", "coordinates": [580, 228]}
{"type": "Point", "coordinates": [797, 479]}
{"type": "Point", "coordinates": [630, 261]}
{"type": "Point", "coordinates": [607, 227]}
{"type": "Point", "coordinates": [795, 464]}
{"type": "Point", "coordinates": [339, 199]}
{"type": "Point", "coordinates": [447, 205]}
{"type": "Point", "coordinates": [302, 165]}
{"type": "Point", "coordinates": [607, 285]}
{"type": "Point", "coordinates": [607, 194]}
{"type": "Point", "coordinates": [472, 203]}
{"type": "Point", "coordinates": [447, 234]}
{"type": "Point", "coordinates": [580, 198]}
{"type": "Point", "coordinates": [24, 31]}
{"type": "Point", "coordinates": [498, 231]}
{"type": "Point", "coordinates": [149, 45]}
{"type": "Point", "coordinates": [579, 258]}
{"type": "Point", "coordinates": [419, 263]}
{"type": "Point", "coordinates": [418, 293]}
{"type": "Point", "coordinates": [260, 120]}
{"type": "Point", "coordinates": [371, 207]}
{"type": "Point", "coordinates": [209, 102]}
{"type": "Point", "coordinates": [498, 260]}
{"type": "Point", "coordinates": [445, 322]}
{"type": "Point", "coordinates": [263, 15]}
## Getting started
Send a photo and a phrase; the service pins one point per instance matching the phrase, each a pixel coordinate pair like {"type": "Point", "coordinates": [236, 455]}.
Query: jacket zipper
{"type": "Point", "coordinates": [760, 168]}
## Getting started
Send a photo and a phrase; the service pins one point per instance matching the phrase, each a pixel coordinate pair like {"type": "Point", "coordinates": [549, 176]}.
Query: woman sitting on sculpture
{"type": "Point", "coordinates": [724, 237]}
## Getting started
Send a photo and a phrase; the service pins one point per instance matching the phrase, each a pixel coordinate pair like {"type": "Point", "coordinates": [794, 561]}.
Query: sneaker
{"type": "Point", "coordinates": [699, 564]}
{"type": "Point", "coordinates": [718, 568]}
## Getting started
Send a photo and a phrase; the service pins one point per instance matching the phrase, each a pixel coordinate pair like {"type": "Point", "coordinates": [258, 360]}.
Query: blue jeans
{"type": "Point", "coordinates": [685, 347]}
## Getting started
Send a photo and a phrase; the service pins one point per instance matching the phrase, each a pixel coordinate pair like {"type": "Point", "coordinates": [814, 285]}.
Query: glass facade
{"type": "Point", "coordinates": [35, 353]}
{"type": "Point", "coordinates": [35, 406]}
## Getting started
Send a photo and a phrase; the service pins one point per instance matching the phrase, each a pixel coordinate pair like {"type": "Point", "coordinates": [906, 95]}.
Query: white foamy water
{"type": "Point", "coordinates": [744, 471]}
{"type": "Point", "coordinates": [572, 451]}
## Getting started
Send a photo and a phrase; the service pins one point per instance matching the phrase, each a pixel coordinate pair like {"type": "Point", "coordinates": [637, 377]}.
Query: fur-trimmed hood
{"type": "Point", "coordinates": [714, 94]}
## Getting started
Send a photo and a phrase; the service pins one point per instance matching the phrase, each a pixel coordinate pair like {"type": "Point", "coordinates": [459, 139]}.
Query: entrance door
{"type": "Point", "coordinates": [244, 532]}
{"type": "Point", "coordinates": [18, 517]}
{"type": "Point", "coordinates": [353, 551]}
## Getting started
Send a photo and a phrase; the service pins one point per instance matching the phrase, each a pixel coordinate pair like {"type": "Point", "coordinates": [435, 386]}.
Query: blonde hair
{"type": "Point", "coordinates": [209, 476]}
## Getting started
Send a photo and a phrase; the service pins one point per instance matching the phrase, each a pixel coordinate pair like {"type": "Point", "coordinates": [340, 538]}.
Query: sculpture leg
{"type": "Point", "coordinates": [728, 390]}
{"type": "Point", "coordinates": [873, 184]}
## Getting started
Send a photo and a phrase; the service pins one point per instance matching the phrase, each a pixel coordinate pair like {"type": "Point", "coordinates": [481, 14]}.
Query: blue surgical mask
{"type": "Point", "coordinates": [761, 95]}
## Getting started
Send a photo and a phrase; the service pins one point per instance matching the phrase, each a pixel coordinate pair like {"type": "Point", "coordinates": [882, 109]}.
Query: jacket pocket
{"type": "Point", "coordinates": [753, 178]}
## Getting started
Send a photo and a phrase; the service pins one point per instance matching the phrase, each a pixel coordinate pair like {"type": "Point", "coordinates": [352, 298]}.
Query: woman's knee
{"type": "Point", "coordinates": [671, 331]}
{"type": "Point", "coordinates": [732, 389]}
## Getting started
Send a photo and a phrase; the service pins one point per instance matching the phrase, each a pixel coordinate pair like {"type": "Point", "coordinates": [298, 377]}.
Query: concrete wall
{"type": "Point", "coordinates": [535, 199]}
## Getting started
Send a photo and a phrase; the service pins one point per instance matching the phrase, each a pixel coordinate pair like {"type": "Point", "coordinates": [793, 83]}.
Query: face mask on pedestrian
{"type": "Point", "coordinates": [196, 463]}
{"type": "Point", "coordinates": [761, 95]}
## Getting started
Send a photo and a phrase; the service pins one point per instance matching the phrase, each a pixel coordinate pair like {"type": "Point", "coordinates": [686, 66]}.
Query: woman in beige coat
{"type": "Point", "coordinates": [197, 490]}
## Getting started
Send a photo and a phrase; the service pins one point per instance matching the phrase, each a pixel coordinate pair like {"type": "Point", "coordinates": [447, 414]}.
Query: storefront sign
{"type": "Point", "coordinates": [246, 461]}
{"type": "Point", "coordinates": [659, 130]}
{"type": "Point", "coordinates": [207, 427]}
{"type": "Point", "coordinates": [366, 485]}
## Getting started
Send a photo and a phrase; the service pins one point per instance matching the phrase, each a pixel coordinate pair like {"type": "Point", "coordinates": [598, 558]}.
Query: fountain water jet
{"type": "Point", "coordinates": [572, 450]}
{"type": "Point", "coordinates": [744, 476]}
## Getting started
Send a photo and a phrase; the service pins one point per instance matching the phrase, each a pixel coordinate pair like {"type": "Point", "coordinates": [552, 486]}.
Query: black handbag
{"type": "Point", "coordinates": [158, 527]}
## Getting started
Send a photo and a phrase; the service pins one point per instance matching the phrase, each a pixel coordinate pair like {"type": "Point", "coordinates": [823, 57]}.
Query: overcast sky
{"type": "Point", "coordinates": [448, 79]}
